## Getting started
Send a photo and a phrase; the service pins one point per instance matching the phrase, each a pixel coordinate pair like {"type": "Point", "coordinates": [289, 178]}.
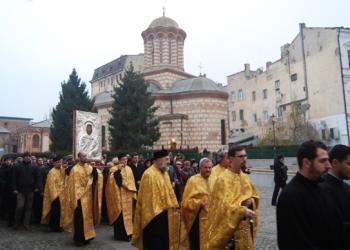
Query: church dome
{"type": "Point", "coordinates": [200, 83]}
{"type": "Point", "coordinates": [163, 22]}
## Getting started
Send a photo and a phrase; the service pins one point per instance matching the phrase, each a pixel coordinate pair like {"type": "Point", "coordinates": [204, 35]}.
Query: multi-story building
{"type": "Point", "coordinates": [307, 88]}
{"type": "Point", "coordinates": [9, 134]}
{"type": "Point", "coordinates": [34, 138]}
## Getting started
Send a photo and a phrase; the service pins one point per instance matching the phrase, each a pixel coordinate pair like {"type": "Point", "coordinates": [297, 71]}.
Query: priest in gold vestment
{"type": "Point", "coordinates": [222, 165]}
{"type": "Point", "coordinates": [156, 224]}
{"type": "Point", "coordinates": [233, 208]}
{"type": "Point", "coordinates": [120, 193]}
{"type": "Point", "coordinates": [54, 197]}
{"type": "Point", "coordinates": [84, 198]}
{"type": "Point", "coordinates": [194, 208]}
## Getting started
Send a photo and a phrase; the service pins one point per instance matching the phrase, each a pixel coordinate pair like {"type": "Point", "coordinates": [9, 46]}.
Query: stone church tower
{"type": "Point", "coordinates": [164, 52]}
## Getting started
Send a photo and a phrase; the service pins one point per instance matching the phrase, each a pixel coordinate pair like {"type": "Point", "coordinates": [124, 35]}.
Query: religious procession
{"type": "Point", "coordinates": [170, 203]}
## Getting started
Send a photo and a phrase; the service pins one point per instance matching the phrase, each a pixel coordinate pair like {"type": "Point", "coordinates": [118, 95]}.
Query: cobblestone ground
{"type": "Point", "coordinates": [40, 238]}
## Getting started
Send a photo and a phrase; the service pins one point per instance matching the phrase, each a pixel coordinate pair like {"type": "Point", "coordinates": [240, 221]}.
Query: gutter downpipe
{"type": "Point", "coordinates": [343, 87]}
{"type": "Point", "coordinates": [301, 27]}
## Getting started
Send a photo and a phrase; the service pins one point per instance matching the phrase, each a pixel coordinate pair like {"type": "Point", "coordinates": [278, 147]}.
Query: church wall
{"type": "Point", "coordinates": [165, 79]}
{"type": "Point", "coordinates": [203, 127]}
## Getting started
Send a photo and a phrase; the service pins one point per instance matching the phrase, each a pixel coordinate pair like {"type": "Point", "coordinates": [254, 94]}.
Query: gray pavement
{"type": "Point", "coordinates": [40, 238]}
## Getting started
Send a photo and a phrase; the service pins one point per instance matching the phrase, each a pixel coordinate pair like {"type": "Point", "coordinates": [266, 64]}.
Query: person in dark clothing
{"type": "Point", "coordinates": [38, 196]}
{"type": "Point", "coordinates": [25, 181]}
{"type": "Point", "coordinates": [305, 217]}
{"type": "Point", "coordinates": [8, 204]}
{"type": "Point", "coordinates": [338, 191]}
{"type": "Point", "coordinates": [137, 168]}
{"type": "Point", "coordinates": [280, 178]}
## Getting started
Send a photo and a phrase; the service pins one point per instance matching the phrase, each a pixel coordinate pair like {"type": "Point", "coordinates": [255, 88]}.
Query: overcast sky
{"type": "Point", "coordinates": [41, 41]}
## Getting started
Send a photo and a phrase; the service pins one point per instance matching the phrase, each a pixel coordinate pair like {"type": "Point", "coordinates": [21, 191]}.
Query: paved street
{"type": "Point", "coordinates": [40, 238]}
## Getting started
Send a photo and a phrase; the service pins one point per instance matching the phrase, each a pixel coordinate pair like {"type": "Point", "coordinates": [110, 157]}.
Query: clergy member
{"type": "Point", "coordinates": [54, 196]}
{"type": "Point", "coordinates": [305, 217]}
{"type": "Point", "coordinates": [194, 209]}
{"type": "Point", "coordinates": [233, 207]}
{"type": "Point", "coordinates": [156, 225]}
{"type": "Point", "coordinates": [84, 194]}
{"type": "Point", "coordinates": [120, 193]}
{"type": "Point", "coordinates": [338, 191]}
{"type": "Point", "coordinates": [221, 166]}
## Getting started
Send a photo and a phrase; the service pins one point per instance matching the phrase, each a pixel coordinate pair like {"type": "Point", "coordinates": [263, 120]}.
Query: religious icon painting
{"type": "Point", "coordinates": [87, 134]}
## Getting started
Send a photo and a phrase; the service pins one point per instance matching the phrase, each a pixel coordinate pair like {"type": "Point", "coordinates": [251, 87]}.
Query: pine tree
{"type": "Point", "coordinates": [133, 122]}
{"type": "Point", "coordinates": [73, 96]}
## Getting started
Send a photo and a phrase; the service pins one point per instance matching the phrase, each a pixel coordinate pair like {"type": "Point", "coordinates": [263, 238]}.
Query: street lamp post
{"type": "Point", "coordinates": [274, 135]}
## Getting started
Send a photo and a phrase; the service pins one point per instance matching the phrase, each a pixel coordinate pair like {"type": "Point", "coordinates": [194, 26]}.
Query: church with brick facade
{"type": "Point", "coordinates": [192, 110]}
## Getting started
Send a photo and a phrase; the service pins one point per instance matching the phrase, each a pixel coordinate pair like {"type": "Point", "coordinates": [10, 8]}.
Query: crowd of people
{"type": "Point", "coordinates": [176, 203]}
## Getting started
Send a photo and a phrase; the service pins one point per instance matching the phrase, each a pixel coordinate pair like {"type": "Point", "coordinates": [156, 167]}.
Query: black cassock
{"type": "Point", "coordinates": [119, 228]}
{"type": "Point", "coordinates": [55, 216]}
{"type": "Point", "coordinates": [78, 236]}
{"type": "Point", "coordinates": [305, 217]}
{"type": "Point", "coordinates": [156, 233]}
{"type": "Point", "coordinates": [339, 192]}
{"type": "Point", "coordinates": [194, 235]}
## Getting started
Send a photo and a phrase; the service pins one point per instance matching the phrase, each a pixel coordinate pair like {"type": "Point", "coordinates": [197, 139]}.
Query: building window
{"type": "Point", "coordinates": [36, 141]}
{"type": "Point", "coordinates": [324, 136]}
{"type": "Point", "coordinates": [266, 115]}
{"type": "Point", "coordinates": [169, 49]}
{"type": "Point", "coordinates": [5, 124]}
{"type": "Point", "coordinates": [161, 45]}
{"type": "Point", "coordinates": [152, 50]}
{"type": "Point", "coordinates": [177, 52]}
{"type": "Point", "coordinates": [241, 114]}
{"type": "Point", "coordinates": [349, 57]}
{"type": "Point", "coordinates": [279, 111]}
{"type": "Point", "coordinates": [223, 133]}
{"type": "Point", "coordinates": [255, 118]}
{"type": "Point", "coordinates": [103, 132]}
{"type": "Point", "coordinates": [293, 77]}
{"type": "Point", "coordinates": [264, 93]}
{"type": "Point", "coordinates": [240, 95]}
{"type": "Point", "coordinates": [254, 96]}
{"type": "Point", "coordinates": [334, 133]}
{"type": "Point", "coordinates": [233, 96]}
{"type": "Point", "coordinates": [233, 113]}
{"type": "Point", "coordinates": [277, 85]}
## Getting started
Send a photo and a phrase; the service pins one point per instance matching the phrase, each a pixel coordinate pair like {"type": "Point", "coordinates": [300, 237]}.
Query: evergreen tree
{"type": "Point", "coordinates": [133, 122]}
{"type": "Point", "coordinates": [73, 96]}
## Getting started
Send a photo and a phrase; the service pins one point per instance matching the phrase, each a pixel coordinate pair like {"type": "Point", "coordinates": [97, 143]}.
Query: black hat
{"type": "Point", "coordinates": [160, 154]}
{"type": "Point", "coordinates": [7, 158]}
{"type": "Point", "coordinates": [121, 155]}
{"type": "Point", "coordinates": [57, 158]}
{"type": "Point", "coordinates": [68, 157]}
{"type": "Point", "coordinates": [26, 154]}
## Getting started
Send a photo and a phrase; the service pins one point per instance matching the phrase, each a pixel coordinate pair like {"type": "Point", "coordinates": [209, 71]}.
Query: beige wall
{"type": "Point", "coordinates": [325, 94]}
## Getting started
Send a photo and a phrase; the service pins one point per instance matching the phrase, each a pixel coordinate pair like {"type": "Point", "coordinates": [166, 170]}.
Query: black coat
{"type": "Point", "coordinates": [339, 193]}
{"type": "Point", "coordinates": [25, 178]}
{"type": "Point", "coordinates": [305, 217]}
{"type": "Point", "coordinates": [137, 171]}
{"type": "Point", "coordinates": [280, 171]}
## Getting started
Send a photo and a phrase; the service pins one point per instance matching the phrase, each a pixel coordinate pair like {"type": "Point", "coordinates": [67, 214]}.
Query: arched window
{"type": "Point", "coordinates": [36, 141]}
{"type": "Point", "coordinates": [161, 45]}
{"type": "Point", "coordinates": [151, 38]}
{"type": "Point", "coordinates": [177, 50]}
{"type": "Point", "coordinates": [170, 38]}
